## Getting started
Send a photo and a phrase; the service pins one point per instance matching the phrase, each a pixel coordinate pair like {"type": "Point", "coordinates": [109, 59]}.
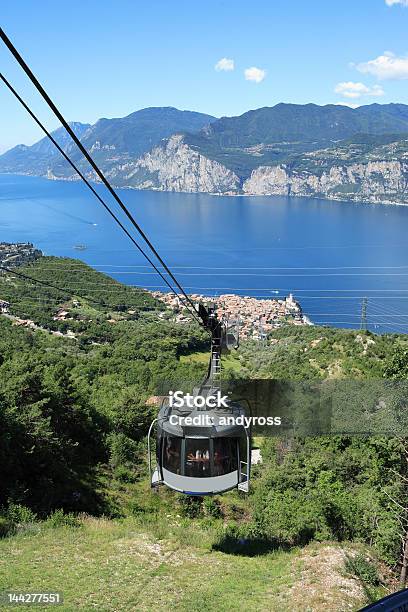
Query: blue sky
{"type": "Point", "coordinates": [106, 58]}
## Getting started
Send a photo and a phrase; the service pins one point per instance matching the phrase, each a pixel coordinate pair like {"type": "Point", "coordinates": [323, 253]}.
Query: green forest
{"type": "Point", "coordinates": [74, 413]}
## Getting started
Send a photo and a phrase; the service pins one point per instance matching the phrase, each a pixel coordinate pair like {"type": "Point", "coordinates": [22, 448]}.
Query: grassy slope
{"type": "Point", "coordinates": [123, 565]}
{"type": "Point", "coordinates": [95, 291]}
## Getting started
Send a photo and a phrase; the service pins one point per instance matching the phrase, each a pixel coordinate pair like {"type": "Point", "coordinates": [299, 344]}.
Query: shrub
{"type": "Point", "coordinates": [20, 515]}
{"type": "Point", "coordinates": [125, 474]}
{"type": "Point", "coordinates": [122, 449]}
{"type": "Point", "coordinates": [361, 567]}
{"type": "Point", "coordinates": [190, 507]}
{"type": "Point", "coordinates": [212, 507]}
{"type": "Point", "coordinates": [60, 519]}
{"type": "Point", "coordinates": [5, 527]}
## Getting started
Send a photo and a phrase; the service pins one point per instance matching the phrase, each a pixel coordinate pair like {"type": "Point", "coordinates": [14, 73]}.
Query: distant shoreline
{"type": "Point", "coordinates": [218, 195]}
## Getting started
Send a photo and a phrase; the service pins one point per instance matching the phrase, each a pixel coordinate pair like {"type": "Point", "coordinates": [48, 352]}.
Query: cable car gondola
{"type": "Point", "coordinates": [203, 450]}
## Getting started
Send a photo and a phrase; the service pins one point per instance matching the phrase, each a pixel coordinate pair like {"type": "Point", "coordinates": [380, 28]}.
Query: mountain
{"type": "Point", "coordinates": [174, 166]}
{"type": "Point", "coordinates": [306, 123]}
{"type": "Point", "coordinates": [330, 152]}
{"type": "Point", "coordinates": [140, 131]}
{"type": "Point", "coordinates": [327, 151]}
{"type": "Point", "coordinates": [46, 147]}
{"type": "Point", "coordinates": [37, 158]}
{"type": "Point", "coordinates": [272, 135]}
{"type": "Point", "coordinates": [109, 141]}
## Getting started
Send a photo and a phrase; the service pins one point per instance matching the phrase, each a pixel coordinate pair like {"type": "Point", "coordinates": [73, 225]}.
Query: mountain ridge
{"type": "Point", "coordinates": [328, 151]}
{"type": "Point", "coordinates": [129, 136]}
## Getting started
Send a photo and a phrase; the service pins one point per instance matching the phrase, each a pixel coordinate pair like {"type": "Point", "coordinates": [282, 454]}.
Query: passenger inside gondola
{"type": "Point", "coordinates": [197, 458]}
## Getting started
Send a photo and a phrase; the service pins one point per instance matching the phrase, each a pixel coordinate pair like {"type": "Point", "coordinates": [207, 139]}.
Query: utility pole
{"type": "Point", "coordinates": [363, 322]}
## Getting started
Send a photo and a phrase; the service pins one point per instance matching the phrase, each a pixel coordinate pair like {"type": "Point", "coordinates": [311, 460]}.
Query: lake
{"type": "Point", "coordinates": [330, 255]}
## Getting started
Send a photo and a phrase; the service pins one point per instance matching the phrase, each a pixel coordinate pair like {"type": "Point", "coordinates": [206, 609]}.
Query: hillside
{"type": "Point", "coordinates": [304, 150]}
{"type": "Point", "coordinates": [74, 413]}
{"type": "Point", "coordinates": [317, 353]}
{"type": "Point", "coordinates": [271, 135]}
{"type": "Point", "coordinates": [111, 141]}
{"type": "Point", "coordinates": [88, 296]}
{"type": "Point", "coordinates": [141, 130]}
{"type": "Point", "coordinates": [39, 157]}
{"type": "Point", "coordinates": [363, 168]}
{"type": "Point", "coordinates": [305, 123]}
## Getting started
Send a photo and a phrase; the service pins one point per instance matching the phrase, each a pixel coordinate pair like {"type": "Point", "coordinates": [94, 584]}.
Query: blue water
{"type": "Point", "coordinates": [330, 255]}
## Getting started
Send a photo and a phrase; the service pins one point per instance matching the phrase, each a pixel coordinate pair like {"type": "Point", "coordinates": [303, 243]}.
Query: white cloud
{"type": "Point", "coordinates": [386, 66]}
{"type": "Point", "coordinates": [224, 64]}
{"type": "Point", "coordinates": [350, 89]}
{"type": "Point", "coordinates": [254, 74]}
{"type": "Point", "coordinates": [392, 2]}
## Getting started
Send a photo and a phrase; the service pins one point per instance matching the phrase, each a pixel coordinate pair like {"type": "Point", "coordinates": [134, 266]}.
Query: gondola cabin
{"type": "Point", "coordinates": [201, 451]}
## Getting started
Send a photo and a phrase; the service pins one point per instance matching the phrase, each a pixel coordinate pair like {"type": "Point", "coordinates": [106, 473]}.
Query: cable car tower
{"type": "Point", "coordinates": [208, 452]}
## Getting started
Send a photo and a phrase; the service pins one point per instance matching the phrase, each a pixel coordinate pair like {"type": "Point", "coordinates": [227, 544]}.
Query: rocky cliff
{"type": "Point", "coordinates": [374, 181]}
{"type": "Point", "coordinates": [174, 166]}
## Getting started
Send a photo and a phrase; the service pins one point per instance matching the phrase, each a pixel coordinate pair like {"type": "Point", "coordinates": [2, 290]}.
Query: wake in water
{"type": "Point", "coordinates": [52, 209]}
{"type": "Point", "coordinates": [66, 214]}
